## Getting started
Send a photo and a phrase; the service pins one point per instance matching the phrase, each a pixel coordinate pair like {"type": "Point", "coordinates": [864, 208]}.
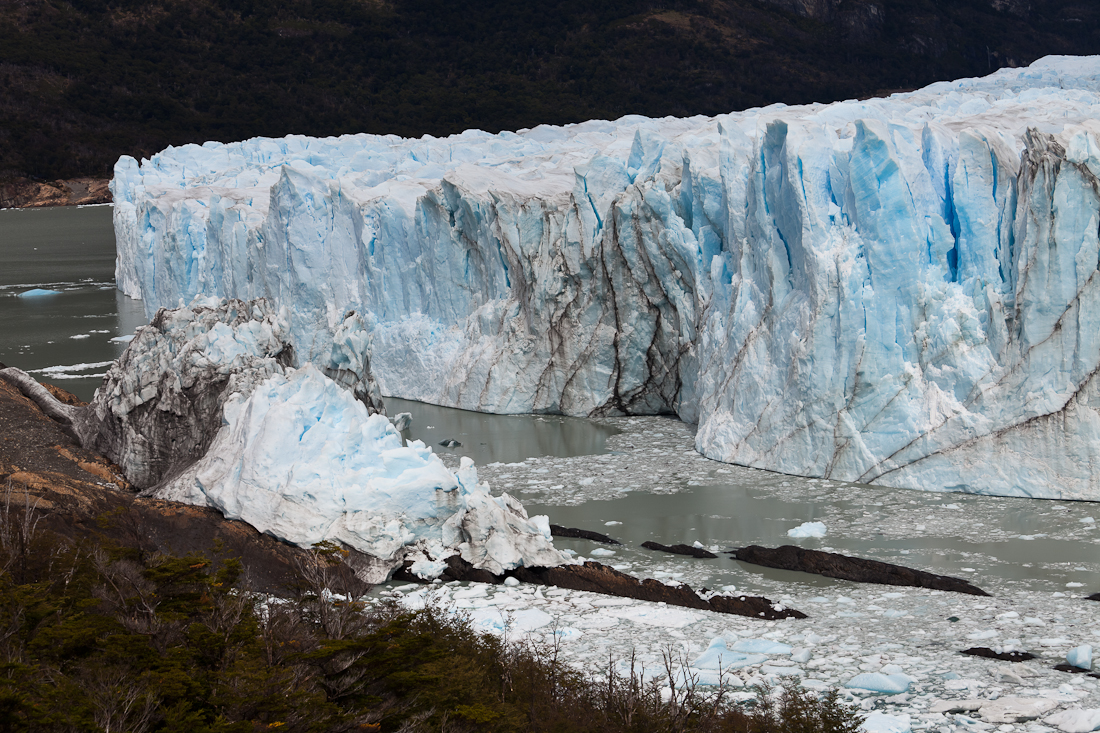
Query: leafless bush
{"type": "Point", "coordinates": [18, 530]}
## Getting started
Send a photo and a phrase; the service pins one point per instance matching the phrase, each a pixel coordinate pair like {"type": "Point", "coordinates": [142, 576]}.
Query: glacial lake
{"type": "Point", "coordinates": [640, 475]}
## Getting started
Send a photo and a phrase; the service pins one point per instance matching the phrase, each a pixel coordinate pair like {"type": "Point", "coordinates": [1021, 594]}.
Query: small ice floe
{"type": "Point", "coordinates": [718, 656]}
{"type": "Point", "coordinates": [878, 722]}
{"type": "Point", "coordinates": [986, 634]}
{"type": "Point", "coordinates": [37, 293]}
{"type": "Point", "coordinates": [123, 339]}
{"type": "Point", "coordinates": [807, 529]}
{"type": "Point", "coordinates": [648, 615]}
{"type": "Point", "coordinates": [761, 646]}
{"type": "Point", "coordinates": [1015, 709]}
{"type": "Point", "coordinates": [602, 552]}
{"type": "Point", "coordinates": [612, 523]}
{"type": "Point", "coordinates": [784, 670]}
{"type": "Point", "coordinates": [568, 633]}
{"type": "Point", "coordinates": [81, 336]}
{"type": "Point", "coordinates": [889, 684]}
{"type": "Point", "coordinates": [1080, 656]}
{"type": "Point", "coordinates": [1075, 721]}
{"type": "Point", "coordinates": [450, 443]}
{"type": "Point", "coordinates": [402, 421]}
{"type": "Point", "coordinates": [1087, 520]}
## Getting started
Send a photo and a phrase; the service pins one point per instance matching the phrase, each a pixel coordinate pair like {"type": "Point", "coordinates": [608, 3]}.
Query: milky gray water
{"type": "Point", "coordinates": [70, 251]}
{"type": "Point", "coordinates": [641, 474]}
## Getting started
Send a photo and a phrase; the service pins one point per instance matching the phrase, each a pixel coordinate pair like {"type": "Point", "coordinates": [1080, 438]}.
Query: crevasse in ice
{"type": "Point", "coordinates": [901, 290]}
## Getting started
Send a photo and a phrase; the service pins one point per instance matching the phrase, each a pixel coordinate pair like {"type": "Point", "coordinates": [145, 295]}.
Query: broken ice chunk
{"type": "Point", "coordinates": [761, 646]}
{"type": "Point", "coordinates": [889, 684]}
{"type": "Point", "coordinates": [1075, 721]}
{"type": "Point", "coordinates": [807, 529]}
{"type": "Point", "coordinates": [718, 656]}
{"type": "Point", "coordinates": [1080, 656]}
{"type": "Point", "coordinates": [878, 722]}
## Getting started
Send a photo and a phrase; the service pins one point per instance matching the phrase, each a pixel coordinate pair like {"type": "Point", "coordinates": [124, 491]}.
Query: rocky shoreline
{"type": "Point", "coordinates": [23, 193]}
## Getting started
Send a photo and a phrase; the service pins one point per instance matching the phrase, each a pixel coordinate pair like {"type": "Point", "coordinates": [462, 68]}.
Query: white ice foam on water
{"type": "Point", "coordinates": [883, 290]}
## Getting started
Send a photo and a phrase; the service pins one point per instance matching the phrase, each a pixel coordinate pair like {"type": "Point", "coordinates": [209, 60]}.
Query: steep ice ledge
{"type": "Point", "coordinates": [206, 407]}
{"type": "Point", "coordinates": [901, 291]}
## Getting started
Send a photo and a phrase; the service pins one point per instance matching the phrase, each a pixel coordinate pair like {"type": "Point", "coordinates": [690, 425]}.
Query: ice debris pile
{"type": "Point", "coordinates": [207, 406]}
{"type": "Point", "coordinates": [903, 670]}
{"type": "Point", "coordinates": [899, 290]}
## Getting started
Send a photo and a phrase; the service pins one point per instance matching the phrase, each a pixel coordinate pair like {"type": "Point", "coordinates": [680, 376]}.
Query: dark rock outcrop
{"type": "Point", "coordinates": [1093, 597]}
{"type": "Point", "coordinates": [556, 530]}
{"type": "Point", "coordinates": [679, 550]}
{"type": "Point", "coordinates": [1064, 667]}
{"type": "Point", "coordinates": [842, 567]}
{"type": "Point", "coordinates": [25, 193]}
{"type": "Point", "coordinates": [597, 578]}
{"type": "Point", "coordinates": [986, 652]}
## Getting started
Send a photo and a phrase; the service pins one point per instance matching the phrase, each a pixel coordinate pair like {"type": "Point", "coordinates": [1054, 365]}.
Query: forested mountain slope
{"type": "Point", "coordinates": [84, 81]}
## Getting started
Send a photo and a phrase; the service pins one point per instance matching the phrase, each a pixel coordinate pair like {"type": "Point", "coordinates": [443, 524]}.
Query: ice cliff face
{"type": "Point", "coordinates": [299, 458]}
{"type": "Point", "coordinates": [206, 406]}
{"type": "Point", "coordinates": [161, 403]}
{"type": "Point", "coordinates": [901, 291]}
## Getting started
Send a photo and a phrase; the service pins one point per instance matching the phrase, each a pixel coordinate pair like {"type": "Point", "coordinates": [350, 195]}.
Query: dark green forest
{"type": "Point", "coordinates": [84, 81]}
{"type": "Point", "coordinates": [98, 636]}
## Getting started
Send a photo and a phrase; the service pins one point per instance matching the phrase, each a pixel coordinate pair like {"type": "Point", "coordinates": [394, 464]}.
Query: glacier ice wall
{"type": "Point", "coordinates": [206, 406]}
{"type": "Point", "coordinates": [900, 291]}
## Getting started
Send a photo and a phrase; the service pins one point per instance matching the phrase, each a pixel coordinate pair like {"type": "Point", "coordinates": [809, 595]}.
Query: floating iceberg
{"type": "Point", "coordinates": [889, 684]}
{"type": "Point", "coordinates": [808, 529]}
{"type": "Point", "coordinates": [718, 657]}
{"type": "Point", "coordinates": [901, 291]}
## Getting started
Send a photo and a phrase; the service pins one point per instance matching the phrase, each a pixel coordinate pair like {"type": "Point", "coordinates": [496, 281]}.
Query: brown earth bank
{"type": "Point", "coordinates": [23, 193]}
{"type": "Point", "coordinates": [81, 495]}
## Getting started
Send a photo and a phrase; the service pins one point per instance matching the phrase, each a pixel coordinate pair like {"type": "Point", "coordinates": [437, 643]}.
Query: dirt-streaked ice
{"type": "Point", "coordinates": [900, 290]}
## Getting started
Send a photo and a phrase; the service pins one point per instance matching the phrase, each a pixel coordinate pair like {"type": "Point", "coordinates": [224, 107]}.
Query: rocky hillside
{"type": "Point", "coordinates": [83, 81]}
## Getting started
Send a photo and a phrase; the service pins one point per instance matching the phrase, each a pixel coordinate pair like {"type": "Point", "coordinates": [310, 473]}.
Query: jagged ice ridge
{"type": "Point", "coordinates": [206, 406]}
{"type": "Point", "coordinates": [901, 290]}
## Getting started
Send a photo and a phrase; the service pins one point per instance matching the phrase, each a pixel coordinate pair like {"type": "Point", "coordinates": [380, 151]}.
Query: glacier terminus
{"type": "Point", "coordinates": [901, 291]}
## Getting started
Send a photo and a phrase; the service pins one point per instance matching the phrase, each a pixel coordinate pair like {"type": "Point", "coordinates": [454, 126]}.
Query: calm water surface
{"type": "Point", "coordinates": [71, 251]}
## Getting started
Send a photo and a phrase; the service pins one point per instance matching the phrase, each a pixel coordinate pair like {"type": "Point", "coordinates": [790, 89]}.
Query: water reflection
{"type": "Point", "coordinates": [501, 438]}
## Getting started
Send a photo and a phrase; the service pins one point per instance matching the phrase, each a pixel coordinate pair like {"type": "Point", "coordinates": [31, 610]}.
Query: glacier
{"type": "Point", "coordinates": [208, 407]}
{"type": "Point", "coordinates": [899, 290]}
